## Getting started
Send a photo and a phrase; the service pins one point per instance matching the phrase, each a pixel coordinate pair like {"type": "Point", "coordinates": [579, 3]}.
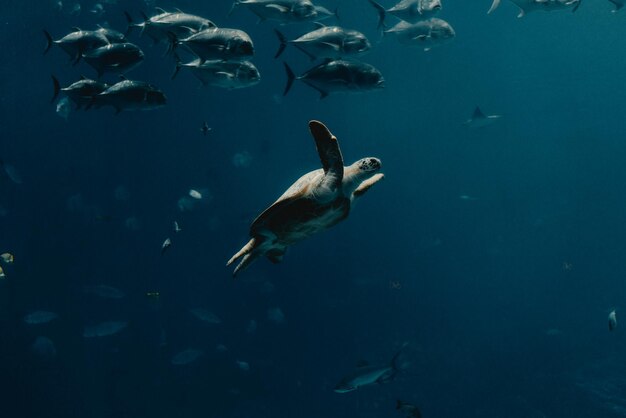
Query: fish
{"type": "Point", "coordinates": [411, 11]}
{"type": "Point", "coordinates": [2, 275]}
{"type": "Point", "coordinates": [612, 320]}
{"type": "Point", "coordinates": [186, 357]}
{"type": "Point", "coordinates": [104, 291]}
{"type": "Point", "coordinates": [114, 58]}
{"type": "Point", "coordinates": [338, 76]}
{"type": "Point", "coordinates": [205, 129]}
{"type": "Point", "coordinates": [205, 316]}
{"type": "Point", "coordinates": [176, 227]}
{"type": "Point", "coordinates": [480, 120]}
{"type": "Point", "coordinates": [425, 33]}
{"type": "Point", "coordinates": [283, 11]}
{"type": "Point", "coordinates": [77, 42]}
{"type": "Point", "coordinates": [409, 410]}
{"type": "Point", "coordinates": [195, 194]}
{"type": "Point", "coordinates": [527, 6]}
{"type": "Point", "coordinates": [367, 375]}
{"type": "Point", "coordinates": [153, 295]}
{"type": "Point", "coordinates": [40, 317]}
{"type": "Point", "coordinates": [181, 24]}
{"type": "Point", "coordinates": [11, 172]}
{"type": "Point", "coordinates": [618, 4]}
{"type": "Point", "coordinates": [104, 329]}
{"type": "Point", "coordinates": [224, 74]}
{"type": "Point", "coordinates": [166, 244]}
{"type": "Point", "coordinates": [130, 95]}
{"type": "Point", "coordinates": [8, 258]}
{"type": "Point", "coordinates": [216, 44]}
{"type": "Point", "coordinates": [327, 42]}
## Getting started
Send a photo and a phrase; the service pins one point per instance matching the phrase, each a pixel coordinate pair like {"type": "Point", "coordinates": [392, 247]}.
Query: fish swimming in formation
{"type": "Point", "coordinates": [425, 33]}
{"type": "Point", "coordinates": [205, 316]}
{"type": "Point", "coordinates": [527, 6]}
{"type": "Point", "coordinates": [104, 291]}
{"type": "Point", "coordinates": [480, 120]}
{"type": "Point", "coordinates": [187, 356]}
{"type": "Point", "coordinates": [612, 320]}
{"type": "Point", "coordinates": [216, 44]}
{"type": "Point", "coordinates": [338, 76]}
{"type": "Point", "coordinates": [411, 11]}
{"type": "Point", "coordinates": [114, 58]}
{"type": "Point", "coordinates": [283, 11]}
{"type": "Point", "coordinates": [367, 375]}
{"type": "Point", "coordinates": [410, 410]}
{"type": "Point", "coordinates": [77, 42]}
{"type": "Point", "coordinates": [178, 23]}
{"type": "Point", "coordinates": [130, 95]}
{"type": "Point", "coordinates": [104, 329]}
{"type": "Point", "coordinates": [224, 74]}
{"type": "Point", "coordinates": [81, 92]}
{"type": "Point", "coordinates": [327, 42]}
{"type": "Point", "coordinates": [40, 317]}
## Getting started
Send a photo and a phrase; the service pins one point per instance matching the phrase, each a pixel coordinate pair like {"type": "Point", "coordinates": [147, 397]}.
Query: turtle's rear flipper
{"type": "Point", "coordinates": [248, 256]}
{"type": "Point", "coordinates": [365, 186]}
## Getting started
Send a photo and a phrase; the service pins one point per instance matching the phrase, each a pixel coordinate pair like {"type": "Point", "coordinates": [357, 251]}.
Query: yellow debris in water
{"type": "Point", "coordinates": [7, 258]}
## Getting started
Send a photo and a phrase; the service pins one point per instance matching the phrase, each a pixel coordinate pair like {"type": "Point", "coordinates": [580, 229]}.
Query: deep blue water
{"type": "Point", "coordinates": [503, 299]}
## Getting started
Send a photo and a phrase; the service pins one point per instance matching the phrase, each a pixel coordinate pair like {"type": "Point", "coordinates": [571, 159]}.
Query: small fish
{"type": "Point", "coordinates": [411, 11]}
{"type": "Point", "coordinates": [480, 120]}
{"type": "Point", "coordinates": [527, 6]}
{"type": "Point", "coordinates": [424, 34]}
{"type": "Point", "coordinates": [612, 320]}
{"type": "Point", "coordinates": [104, 329]}
{"type": "Point", "coordinates": [186, 357]}
{"type": "Point", "coordinates": [153, 295]}
{"type": "Point", "coordinates": [243, 365]}
{"type": "Point", "coordinates": [219, 73]}
{"type": "Point", "coordinates": [166, 244]}
{"type": "Point", "coordinates": [205, 316]}
{"type": "Point", "coordinates": [195, 194]}
{"type": "Point", "coordinates": [205, 129]}
{"type": "Point", "coordinates": [8, 258]}
{"type": "Point", "coordinates": [40, 317]}
{"type": "Point", "coordinates": [176, 227]}
{"type": "Point", "coordinates": [409, 410]}
{"type": "Point", "coordinates": [104, 291]}
{"type": "Point", "coordinates": [367, 375]}
{"type": "Point", "coordinates": [2, 275]}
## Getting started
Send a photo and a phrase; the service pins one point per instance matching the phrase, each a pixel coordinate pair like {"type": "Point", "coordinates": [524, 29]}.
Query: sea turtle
{"type": "Point", "coordinates": [315, 202]}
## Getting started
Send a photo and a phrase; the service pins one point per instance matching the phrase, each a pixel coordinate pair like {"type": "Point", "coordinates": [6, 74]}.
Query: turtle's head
{"type": "Point", "coordinates": [369, 165]}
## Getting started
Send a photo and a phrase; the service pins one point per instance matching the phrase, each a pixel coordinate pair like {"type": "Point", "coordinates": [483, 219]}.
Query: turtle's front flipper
{"type": "Point", "coordinates": [329, 152]}
{"type": "Point", "coordinates": [248, 254]}
{"type": "Point", "coordinates": [365, 185]}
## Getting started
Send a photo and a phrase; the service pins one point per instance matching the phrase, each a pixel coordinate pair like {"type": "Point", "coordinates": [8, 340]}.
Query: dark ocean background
{"type": "Point", "coordinates": [503, 298]}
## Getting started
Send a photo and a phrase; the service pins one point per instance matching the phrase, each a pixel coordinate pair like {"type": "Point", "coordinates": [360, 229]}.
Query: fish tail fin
{"type": "Point", "coordinates": [336, 13]}
{"type": "Point", "coordinates": [283, 43]}
{"type": "Point", "coordinates": [395, 364]}
{"type": "Point", "coordinates": [381, 13]}
{"type": "Point", "coordinates": [290, 78]}
{"type": "Point", "coordinates": [171, 48]}
{"type": "Point", "coordinates": [247, 255]}
{"type": "Point", "coordinates": [178, 65]}
{"type": "Point", "coordinates": [57, 89]}
{"type": "Point", "coordinates": [49, 41]}
{"type": "Point", "coordinates": [494, 6]}
{"type": "Point", "coordinates": [130, 23]}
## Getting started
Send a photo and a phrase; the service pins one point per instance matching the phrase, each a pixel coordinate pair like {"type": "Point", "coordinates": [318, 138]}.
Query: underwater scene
{"type": "Point", "coordinates": [313, 208]}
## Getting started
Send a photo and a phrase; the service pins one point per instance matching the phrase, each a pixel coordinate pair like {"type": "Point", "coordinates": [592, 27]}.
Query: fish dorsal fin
{"type": "Point", "coordinates": [76, 29]}
{"type": "Point", "coordinates": [329, 152]}
{"type": "Point", "coordinates": [82, 77]}
{"type": "Point", "coordinates": [160, 10]}
{"type": "Point", "coordinates": [122, 77]}
{"type": "Point", "coordinates": [478, 114]}
{"type": "Point", "coordinates": [178, 10]}
{"type": "Point", "coordinates": [362, 363]}
{"type": "Point", "coordinates": [319, 25]}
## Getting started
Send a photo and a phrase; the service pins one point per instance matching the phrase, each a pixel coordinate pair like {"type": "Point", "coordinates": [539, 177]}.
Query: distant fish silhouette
{"type": "Point", "coordinates": [205, 129]}
{"type": "Point", "coordinates": [480, 120]}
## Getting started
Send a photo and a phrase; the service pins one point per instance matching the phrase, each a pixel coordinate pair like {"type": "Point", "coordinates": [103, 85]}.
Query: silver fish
{"type": "Point", "coordinates": [40, 317]}
{"type": "Point", "coordinates": [328, 42]}
{"type": "Point", "coordinates": [112, 36]}
{"type": "Point", "coordinates": [283, 11]}
{"type": "Point", "coordinates": [480, 120]}
{"type": "Point", "coordinates": [527, 6]}
{"type": "Point", "coordinates": [180, 24]}
{"type": "Point", "coordinates": [367, 375]}
{"type": "Point", "coordinates": [612, 320]}
{"type": "Point", "coordinates": [114, 58]}
{"type": "Point", "coordinates": [338, 76]}
{"type": "Point", "coordinates": [225, 74]}
{"type": "Point", "coordinates": [78, 42]}
{"type": "Point", "coordinates": [80, 92]}
{"type": "Point", "coordinates": [130, 95]}
{"type": "Point", "coordinates": [411, 11]}
{"type": "Point", "coordinates": [104, 329]}
{"type": "Point", "coordinates": [217, 44]}
{"type": "Point", "coordinates": [425, 34]}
